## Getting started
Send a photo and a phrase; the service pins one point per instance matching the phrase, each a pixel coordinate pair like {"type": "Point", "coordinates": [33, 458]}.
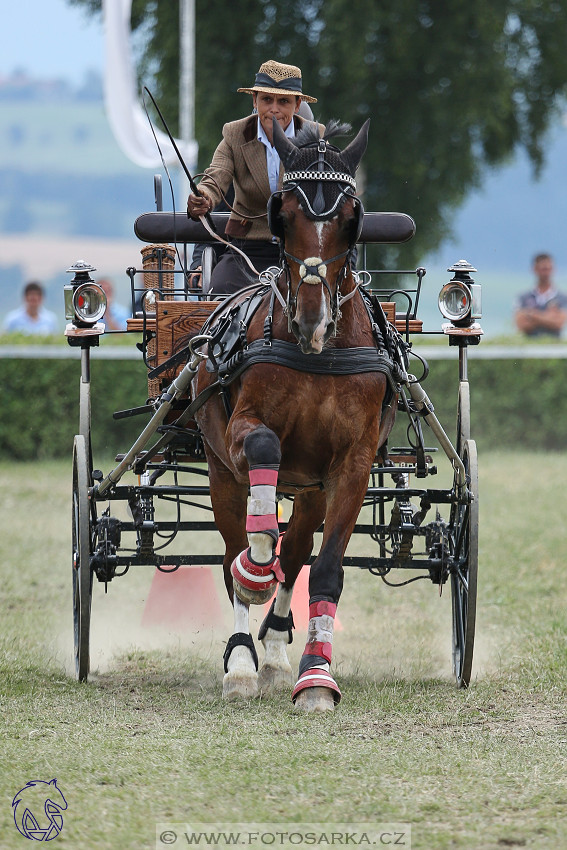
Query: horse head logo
{"type": "Point", "coordinates": [37, 810]}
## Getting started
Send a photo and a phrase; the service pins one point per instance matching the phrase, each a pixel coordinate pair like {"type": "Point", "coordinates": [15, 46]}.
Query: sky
{"type": "Point", "coordinates": [62, 42]}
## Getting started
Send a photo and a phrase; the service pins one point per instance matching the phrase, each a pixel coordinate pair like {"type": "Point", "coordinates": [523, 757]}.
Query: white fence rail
{"type": "Point", "coordinates": [429, 352]}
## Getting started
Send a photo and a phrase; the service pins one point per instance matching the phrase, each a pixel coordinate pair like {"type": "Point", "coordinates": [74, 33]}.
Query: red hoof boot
{"type": "Point", "coordinates": [255, 583]}
{"type": "Point", "coordinates": [316, 677]}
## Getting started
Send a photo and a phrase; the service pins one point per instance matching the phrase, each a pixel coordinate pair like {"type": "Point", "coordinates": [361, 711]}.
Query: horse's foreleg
{"type": "Point", "coordinates": [256, 571]}
{"type": "Point", "coordinates": [316, 689]}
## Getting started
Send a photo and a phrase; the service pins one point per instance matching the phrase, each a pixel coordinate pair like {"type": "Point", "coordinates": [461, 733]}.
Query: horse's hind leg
{"type": "Point", "coordinates": [276, 630]}
{"type": "Point", "coordinates": [276, 633]}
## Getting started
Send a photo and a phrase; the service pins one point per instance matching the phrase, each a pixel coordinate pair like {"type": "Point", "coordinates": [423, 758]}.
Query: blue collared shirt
{"type": "Point", "coordinates": [272, 156]}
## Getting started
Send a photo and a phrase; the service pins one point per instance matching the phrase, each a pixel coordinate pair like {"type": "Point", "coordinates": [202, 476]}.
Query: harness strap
{"type": "Point", "coordinates": [332, 361]}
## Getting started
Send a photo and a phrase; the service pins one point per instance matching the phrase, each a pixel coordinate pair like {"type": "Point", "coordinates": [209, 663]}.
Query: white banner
{"type": "Point", "coordinates": [126, 116]}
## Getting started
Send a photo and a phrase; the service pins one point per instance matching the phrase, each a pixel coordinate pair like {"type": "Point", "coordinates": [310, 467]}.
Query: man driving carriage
{"type": "Point", "coordinates": [247, 158]}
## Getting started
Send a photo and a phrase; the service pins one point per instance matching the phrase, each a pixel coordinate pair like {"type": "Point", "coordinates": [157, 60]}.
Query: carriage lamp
{"type": "Point", "coordinates": [85, 300]}
{"type": "Point", "coordinates": [460, 299]}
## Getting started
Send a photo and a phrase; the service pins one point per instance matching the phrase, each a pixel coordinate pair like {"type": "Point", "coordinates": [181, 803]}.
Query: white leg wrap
{"type": "Point", "coordinates": [262, 500]}
{"type": "Point", "coordinates": [320, 629]}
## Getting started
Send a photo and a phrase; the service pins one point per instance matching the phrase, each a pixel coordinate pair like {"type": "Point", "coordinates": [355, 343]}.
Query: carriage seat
{"type": "Point", "coordinates": [175, 322]}
{"type": "Point", "coordinates": [377, 228]}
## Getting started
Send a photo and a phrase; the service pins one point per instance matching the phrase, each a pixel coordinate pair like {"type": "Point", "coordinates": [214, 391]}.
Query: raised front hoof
{"type": "Point", "coordinates": [237, 686]}
{"type": "Point", "coordinates": [272, 679]}
{"type": "Point", "coordinates": [313, 700]}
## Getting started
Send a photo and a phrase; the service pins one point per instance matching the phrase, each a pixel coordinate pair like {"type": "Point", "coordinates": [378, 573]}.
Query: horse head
{"type": "Point", "coordinates": [318, 218]}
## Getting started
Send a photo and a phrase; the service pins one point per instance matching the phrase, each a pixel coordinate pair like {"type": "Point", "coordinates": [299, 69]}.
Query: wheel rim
{"type": "Point", "coordinates": [464, 571]}
{"type": "Point", "coordinates": [81, 552]}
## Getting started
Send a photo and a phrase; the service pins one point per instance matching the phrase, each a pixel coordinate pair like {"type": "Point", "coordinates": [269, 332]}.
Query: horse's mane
{"type": "Point", "coordinates": [309, 133]}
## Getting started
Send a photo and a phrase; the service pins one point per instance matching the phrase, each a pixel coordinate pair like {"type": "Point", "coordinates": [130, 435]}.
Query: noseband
{"type": "Point", "coordinates": [313, 270]}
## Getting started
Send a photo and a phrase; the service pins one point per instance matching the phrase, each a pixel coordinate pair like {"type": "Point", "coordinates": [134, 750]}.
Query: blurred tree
{"type": "Point", "coordinates": [452, 88]}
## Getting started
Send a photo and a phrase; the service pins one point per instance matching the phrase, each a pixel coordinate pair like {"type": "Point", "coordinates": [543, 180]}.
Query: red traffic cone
{"type": "Point", "coordinates": [185, 599]}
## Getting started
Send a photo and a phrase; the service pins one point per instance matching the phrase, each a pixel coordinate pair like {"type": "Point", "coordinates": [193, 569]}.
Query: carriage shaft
{"type": "Point", "coordinates": [425, 407]}
{"type": "Point", "coordinates": [178, 387]}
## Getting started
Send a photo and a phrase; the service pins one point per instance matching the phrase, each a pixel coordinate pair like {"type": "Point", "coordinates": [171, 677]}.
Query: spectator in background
{"type": "Point", "coordinates": [116, 314]}
{"type": "Point", "coordinates": [544, 309]}
{"type": "Point", "coordinates": [32, 317]}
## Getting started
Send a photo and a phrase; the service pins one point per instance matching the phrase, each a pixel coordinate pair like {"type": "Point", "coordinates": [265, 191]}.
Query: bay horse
{"type": "Point", "coordinates": [288, 425]}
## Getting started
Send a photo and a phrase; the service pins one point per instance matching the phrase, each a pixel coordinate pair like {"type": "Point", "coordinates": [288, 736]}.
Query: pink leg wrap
{"type": "Point", "coordinates": [316, 659]}
{"type": "Point", "coordinates": [262, 516]}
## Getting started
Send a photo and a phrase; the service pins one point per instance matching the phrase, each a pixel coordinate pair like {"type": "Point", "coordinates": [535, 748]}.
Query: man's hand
{"type": "Point", "coordinates": [198, 205]}
{"type": "Point", "coordinates": [194, 278]}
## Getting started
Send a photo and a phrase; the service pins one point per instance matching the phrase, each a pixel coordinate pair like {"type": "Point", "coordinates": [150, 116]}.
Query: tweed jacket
{"type": "Point", "coordinates": [240, 158]}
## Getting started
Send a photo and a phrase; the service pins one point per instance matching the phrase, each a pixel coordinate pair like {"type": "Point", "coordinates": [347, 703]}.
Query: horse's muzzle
{"type": "Point", "coordinates": [312, 342]}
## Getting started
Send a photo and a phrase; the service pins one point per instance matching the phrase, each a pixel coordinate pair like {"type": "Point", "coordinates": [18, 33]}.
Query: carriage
{"type": "Point", "coordinates": [197, 348]}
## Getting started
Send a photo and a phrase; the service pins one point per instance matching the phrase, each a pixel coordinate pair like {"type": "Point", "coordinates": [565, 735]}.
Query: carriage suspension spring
{"type": "Point", "coordinates": [143, 512]}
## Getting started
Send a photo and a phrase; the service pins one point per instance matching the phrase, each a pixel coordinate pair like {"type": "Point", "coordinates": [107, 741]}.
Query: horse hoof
{"type": "Point", "coordinates": [238, 686]}
{"type": "Point", "coordinates": [315, 700]}
{"type": "Point", "coordinates": [271, 679]}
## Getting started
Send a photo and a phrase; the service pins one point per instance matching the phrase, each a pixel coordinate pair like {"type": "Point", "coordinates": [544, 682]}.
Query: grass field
{"type": "Point", "coordinates": [148, 739]}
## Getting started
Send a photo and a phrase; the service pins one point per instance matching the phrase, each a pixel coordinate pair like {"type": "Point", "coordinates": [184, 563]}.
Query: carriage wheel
{"type": "Point", "coordinates": [463, 416]}
{"type": "Point", "coordinates": [82, 573]}
{"type": "Point", "coordinates": [464, 527]}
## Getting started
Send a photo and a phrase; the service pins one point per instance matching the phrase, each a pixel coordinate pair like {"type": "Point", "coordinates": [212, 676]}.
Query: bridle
{"type": "Point", "coordinates": [313, 270]}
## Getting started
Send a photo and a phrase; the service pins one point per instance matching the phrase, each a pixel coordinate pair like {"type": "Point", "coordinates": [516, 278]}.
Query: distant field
{"type": "Point", "coordinates": [69, 138]}
{"type": "Point", "coordinates": [149, 740]}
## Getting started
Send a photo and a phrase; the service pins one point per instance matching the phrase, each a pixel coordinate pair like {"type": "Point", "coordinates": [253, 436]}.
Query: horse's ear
{"type": "Point", "coordinates": [354, 152]}
{"type": "Point", "coordinates": [284, 146]}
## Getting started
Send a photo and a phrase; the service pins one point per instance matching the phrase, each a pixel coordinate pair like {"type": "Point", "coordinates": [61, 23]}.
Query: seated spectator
{"type": "Point", "coordinates": [544, 309]}
{"type": "Point", "coordinates": [32, 317]}
{"type": "Point", "coordinates": [116, 314]}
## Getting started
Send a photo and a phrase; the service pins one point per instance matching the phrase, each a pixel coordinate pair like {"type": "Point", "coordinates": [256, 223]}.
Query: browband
{"type": "Point", "coordinates": [333, 176]}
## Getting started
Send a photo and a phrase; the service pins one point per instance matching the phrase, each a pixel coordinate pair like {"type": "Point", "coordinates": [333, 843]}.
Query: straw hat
{"type": "Point", "coordinates": [276, 78]}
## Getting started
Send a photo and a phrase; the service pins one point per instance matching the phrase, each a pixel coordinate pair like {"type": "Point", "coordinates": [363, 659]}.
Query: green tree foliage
{"type": "Point", "coordinates": [452, 88]}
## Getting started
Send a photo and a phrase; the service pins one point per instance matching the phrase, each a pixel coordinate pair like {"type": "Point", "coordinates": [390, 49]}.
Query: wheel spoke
{"type": "Point", "coordinates": [463, 580]}
{"type": "Point", "coordinates": [462, 532]}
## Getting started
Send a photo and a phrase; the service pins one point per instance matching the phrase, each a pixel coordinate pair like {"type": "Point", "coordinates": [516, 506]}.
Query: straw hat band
{"type": "Point", "coordinates": [291, 83]}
